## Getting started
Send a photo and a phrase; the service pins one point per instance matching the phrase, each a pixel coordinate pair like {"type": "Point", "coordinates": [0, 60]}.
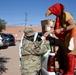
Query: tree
{"type": "Point", "coordinates": [2, 25]}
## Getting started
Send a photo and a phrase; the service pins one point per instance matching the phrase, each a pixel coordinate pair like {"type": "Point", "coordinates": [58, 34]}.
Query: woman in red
{"type": "Point", "coordinates": [65, 30]}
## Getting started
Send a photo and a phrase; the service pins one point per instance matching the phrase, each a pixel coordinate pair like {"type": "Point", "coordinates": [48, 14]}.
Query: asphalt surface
{"type": "Point", "coordinates": [9, 60]}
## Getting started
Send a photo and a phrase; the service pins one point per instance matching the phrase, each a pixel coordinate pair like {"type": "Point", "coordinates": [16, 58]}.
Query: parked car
{"type": "Point", "coordinates": [1, 41]}
{"type": "Point", "coordinates": [8, 39]}
{"type": "Point", "coordinates": [11, 39]}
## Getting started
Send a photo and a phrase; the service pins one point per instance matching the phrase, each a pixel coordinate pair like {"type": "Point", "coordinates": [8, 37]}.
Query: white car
{"type": "Point", "coordinates": [1, 41]}
{"type": "Point", "coordinates": [45, 64]}
{"type": "Point", "coordinates": [44, 58]}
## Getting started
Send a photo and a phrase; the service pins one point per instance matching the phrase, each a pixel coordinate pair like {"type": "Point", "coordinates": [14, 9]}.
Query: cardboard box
{"type": "Point", "coordinates": [47, 25]}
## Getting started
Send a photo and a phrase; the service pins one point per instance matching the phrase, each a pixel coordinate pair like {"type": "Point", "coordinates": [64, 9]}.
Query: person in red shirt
{"type": "Point", "coordinates": [65, 30]}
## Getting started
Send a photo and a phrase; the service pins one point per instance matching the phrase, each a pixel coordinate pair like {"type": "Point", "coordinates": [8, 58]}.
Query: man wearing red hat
{"type": "Point", "coordinates": [65, 30]}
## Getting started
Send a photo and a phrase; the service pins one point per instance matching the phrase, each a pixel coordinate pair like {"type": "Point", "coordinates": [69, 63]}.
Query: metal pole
{"type": "Point", "coordinates": [25, 19]}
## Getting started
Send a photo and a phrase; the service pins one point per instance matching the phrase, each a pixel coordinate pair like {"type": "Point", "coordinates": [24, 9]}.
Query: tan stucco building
{"type": "Point", "coordinates": [17, 31]}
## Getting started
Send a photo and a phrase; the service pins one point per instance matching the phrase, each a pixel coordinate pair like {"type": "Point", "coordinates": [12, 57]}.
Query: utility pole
{"type": "Point", "coordinates": [25, 19]}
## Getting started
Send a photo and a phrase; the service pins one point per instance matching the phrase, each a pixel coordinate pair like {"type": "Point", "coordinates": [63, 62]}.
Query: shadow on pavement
{"type": "Point", "coordinates": [3, 60]}
{"type": "Point", "coordinates": [5, 47]}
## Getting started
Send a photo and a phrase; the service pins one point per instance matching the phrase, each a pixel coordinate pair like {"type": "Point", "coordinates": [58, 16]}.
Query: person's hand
{"type": "Point", "coordinates": [43, 38]}
{"type": "Point", "coordinates": [47, 33]}
{"type": "Point", "coordinates": [58, 31]}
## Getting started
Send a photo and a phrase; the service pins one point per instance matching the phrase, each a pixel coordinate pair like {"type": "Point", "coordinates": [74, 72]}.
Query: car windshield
{"type": "Point", "coordinates": [7, 35]}
{"type": "Point", "coordinates": [10, 35]}
{"type": "Point", "coordinates": [4, 35]}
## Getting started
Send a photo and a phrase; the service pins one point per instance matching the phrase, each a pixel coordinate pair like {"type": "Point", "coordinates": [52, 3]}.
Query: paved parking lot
{"type": "Point", "coordinates": [9, 60]}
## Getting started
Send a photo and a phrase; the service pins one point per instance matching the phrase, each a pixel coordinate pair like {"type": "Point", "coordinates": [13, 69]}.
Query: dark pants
{"type": "Point", "coordinates": [61, 52]}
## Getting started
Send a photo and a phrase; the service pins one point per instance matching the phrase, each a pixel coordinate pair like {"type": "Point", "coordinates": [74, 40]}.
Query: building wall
{"type": "Point", "coordinates": [17, 31]}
